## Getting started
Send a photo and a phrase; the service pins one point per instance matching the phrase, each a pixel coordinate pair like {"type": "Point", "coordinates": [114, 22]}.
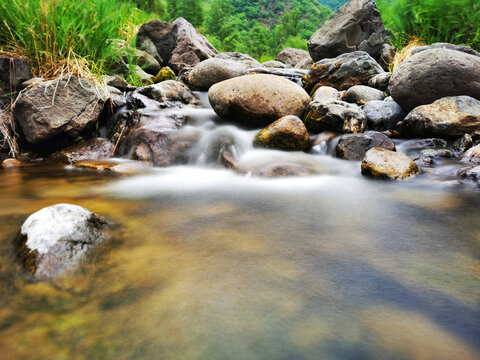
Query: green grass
{"type": "Point", "coordinates": [454, 21]}
{"type": "Point", "coordinates": [50, 32]}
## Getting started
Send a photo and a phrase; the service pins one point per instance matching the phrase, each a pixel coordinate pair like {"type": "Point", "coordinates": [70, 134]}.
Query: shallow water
{"type": "Point", "coordinates": [208, 264]}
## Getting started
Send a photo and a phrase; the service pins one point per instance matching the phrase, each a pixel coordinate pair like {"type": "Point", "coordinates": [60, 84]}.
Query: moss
{"type": "Point", "coordinates": [164, 74]}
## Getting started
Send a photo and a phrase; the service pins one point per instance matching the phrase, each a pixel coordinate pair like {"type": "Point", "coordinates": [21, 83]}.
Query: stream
{"type": "Point", "coordinates": [207, 263]}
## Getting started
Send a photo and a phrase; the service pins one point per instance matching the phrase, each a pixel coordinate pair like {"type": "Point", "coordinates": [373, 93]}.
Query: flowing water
{"type": "Point", "coordinates": [205, 263]}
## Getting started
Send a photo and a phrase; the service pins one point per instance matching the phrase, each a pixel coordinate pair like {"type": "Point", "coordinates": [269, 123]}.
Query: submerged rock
{"type": "Point", "coordinates": [94, 149]}
{"type": "Point", "coordinates": [385, 164]}
{"type": "Point", "coordinates": [447, 118]}
{"type": "Point", "coordinates": [258, 99]}
{"type": "Point", "coordinates": [291, 56]}
{"type": "Point", "coordinates": [472, 155]}
{"type": "Point", "coordinates": [57, 238]}
{"type": "Point", "coordinates": [67, 107]}
{"type": "Point", "coordinates": [212, 71]}
{"type": "Point", "coordinates": [342, 72]}
{"type": "Point", "coordinates": [361, 94]}
{"type": "Point", "coordinates": [354, 146]}
{"type": "Point", "coordinates": [287, 133]}
{"type": "Point", "coordinates": [434, 74]}
{"type": "Point", "coordinates": [355, 26]}
{"type": "Point", "coordinates": [471, 174]}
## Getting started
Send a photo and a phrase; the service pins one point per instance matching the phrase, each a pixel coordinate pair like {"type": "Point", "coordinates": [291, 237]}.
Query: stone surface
{"type": "Point", "coordinates": [326, 94]}
{"type": "Point", "coordinates": [244, 59]}
{"type": "Point", "coordinates": [57, 238]}
{"type": "Point", "coordinates": [291, 56]}
{"type": "Point", "coordinates": [383, 115]}
{"type": "Point", "coordinates": [287, 133]}
{"type": "Point", "coordinates": [168, 91]}
{"type": "Point", "coordinates": [14, 71]}
{"type": "Point", "coordinates": [385, 164]}
{"type": "Point", "coordinates": [433, 74]}
{"type": "Point", "coordinates": [294, 75]}
{"type": "Point", "coordinates": [305, 64]}
{"type": "Point", "coordinates": [380, 81]}
{"type": "Point", "coordinates": [440, 45]}
{"type": "Point", "coordinates": [463, 144]}
{"type": "Point", "coordinates": [67, 107]}
{"type": "Point", "coordinates": [354, 146]}
{"type": "Point", "coordinates": [342, 72]}
{"type": "Point", "coordinates": [471, 174]}
{"type": "Point", "coordinates": [259, 99]}
{"type": "Point", "coordinates": [334, 115]}
{"type": "Point", "coordinates": [446, 118]}
{"type": "Point", "coordinates": [355, 26]}
{"type": "Point", "coordinates": [274, 64]}
{"type": "Point", "coordinates": [94, 149]}
{"type": "Point", "coordinates": [212, 71]}
{"type": "Point", "coordinates": [361, 94]}
{"type": "Point", "coordinates": [472, 155]}
{"type": "Point", "coordinates": [177, 43]}
{"type": "Point", "coordinates": [142, 58]}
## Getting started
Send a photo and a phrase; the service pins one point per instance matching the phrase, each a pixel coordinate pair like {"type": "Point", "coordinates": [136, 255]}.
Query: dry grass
{"type": "Point", "coordinates": [405, 53]}
{"type": "Point", "coordinates": [8, 136]}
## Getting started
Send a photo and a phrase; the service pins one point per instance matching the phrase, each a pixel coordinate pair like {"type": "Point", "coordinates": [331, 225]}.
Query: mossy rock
{"type": "Point", "coordinates": [164, 74]}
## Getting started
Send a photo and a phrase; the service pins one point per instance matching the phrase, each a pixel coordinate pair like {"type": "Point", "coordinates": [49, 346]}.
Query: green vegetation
{"type": "Point", "coordinates": [454, 21]}
{"type": "Point", "coordinates": [333, 4]}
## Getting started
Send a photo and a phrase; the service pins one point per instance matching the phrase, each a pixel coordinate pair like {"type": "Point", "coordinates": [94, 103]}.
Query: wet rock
{"type": "Point", "coordinates": [94, 149]}
{"type": "Point", "coordinates": [383, 115]}
{"type": "Point", "coordinates": [137, 101]}
{"type": "Point", "coordinates": [168, 91]}
{"type": "Point", "coordinates": [279, 164]}
{"type": "Point", "coordinates": [334, 115]}
{"type": "Point", "coordinates": [124, 167]}
{"type": "Point", "coordinates": [294, 75]}
{"type": "Point", "coordinates": [420, 144]}
{"type": "Point", "coordinates": [57, 238]}
{"type": "Point", "coordinates": [212, 71]}
{"type": "Point", "coordinates": [380, 81]}
{"type": "Point", "coordinates": [434, 74]}
{"type": "Point", "coordinates": [361, 94]}
{"type": "Point", "coordinates": [354, 146]}
{"type": "Point", "coordinates": [385, 164]}
{"type": "Point", "coordinates": [12, 163]}
{"type": "Point", "coordinates": [14, 71]}
{"type": "Point", "coordinates": [471, 174]}
{"type": "Point", "coordinates": [472, 155]}
{"type": "Point", "coordinates": [320, 142]}
{"type": "Point", "coordinates": [291, 56]}
{"type": "Point", "coordinates": [287, 133]}
{"type": "Point", "coordinates": [258, 99]}
{"type": "Point", "coordinates": [427, 156]}
{"type": "Point", "coordinates": [440, 45]}
{"type": "Point", "coordinates": [177, 43]}
{"type": "Point", "coordinates": [355, 26]}
{"type": "Point", "coordinates": [305, 64]}
{"type": "Point", "coordinates": [244, 59]}
{"type": "Point", "coordinates": [326, 94]}
{"type": "Point", "coordinates": [342, 72]}
{"type": "Point", "coordinates": [67, 107]}
{"type": "Point", "coordinates": [462, 144]}
{"type": "Point", "coordinates": [118, 82]}
{"type": "Point", "coordinates": [446, 118]}
{"type": "Point", "coordinates": [274, 64]}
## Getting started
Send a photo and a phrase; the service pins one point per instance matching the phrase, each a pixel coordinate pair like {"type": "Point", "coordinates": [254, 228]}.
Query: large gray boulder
{"type": "Point", "coordinates": [355, 26]}
{"type": "Point", "coordinates": [342, 72]}
{"type": "Point", "coordinates": [440, 45]}
{"type": "Point", "coordinates": [433, 74]}
{"type": "Point", "coordinates": [257, 100]}
{"type": "Point", "coordinates": [354, 146]}
{"type": "Point", "coordinates": [449, 117]}
{"type": "Point", "coordinates": [67, 107]}
{"type": "Point", "coordinates": [178, 44]}
{"type": "Point", "coordinates": [291, 56]}
{"type": "Point", "coordinates": [212, 71]}
{"type": "Point", "coordinates": [57, 238]}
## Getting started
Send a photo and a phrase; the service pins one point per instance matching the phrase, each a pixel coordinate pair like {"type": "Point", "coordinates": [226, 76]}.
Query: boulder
{"type": "Point", "coordinates": [383, 115]}
{"type": "Point", "coordinates": [334, 115]}
{"type": "Point", "coordinates": [287, 133]}
{"type": "Point", "coordinates": [14, 71]}
{"type": "Point", "coordinates": [212, 71]}
{"type": "Point", "coordinates": [94, 149]}
{"type": "Point", "coordinates": [57, 238]}
{"type": "Point", "coordinates": [274, 64]}
{"type": "Point", "coordinates": [380, 81]}
{"type": "Point", "coordinates": [294, 75]}
{"type": "Point", "coordinates": [66, 107]}
{"type": "Point", "coordinates": [326, 94]}
{"type": "Point", "coordinates": [291, 56]}
{"type": "Point", "coordinates": [305, 64]}
{"type": "Point", "coordinates": [433, 74]}
{"type": "Point", "coordinates": [472, 155]}
{"type": "Point", "coordinates": [258, 99]}
{"type": "Point", "coordinates": [471, 174]}
{"type": "Point", "coordinates": [342, 72]}
{"type": "Point", "coordinates": [244, 59]}
{"type": "Point", "coordinates": [440, 45]}
{"type": "Point", "coordinates": [446, 118]}
{"type": "Point", "coordinates": [177, 43]}
{"type": "Point", "coordinates": [436, 153]}
{"type": "Point", "coordinates": [463, 144]}
{"type": "Point", "coordinates": [354, 146]}
{"type": "Point", "coordinates": [168, 91]}
{"type": "Point", "coordinates": [361, 94]}
{"type": "Point", "coordinates": [355, 26]}
{"type": "Point", "coordinates": [385, 164]}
